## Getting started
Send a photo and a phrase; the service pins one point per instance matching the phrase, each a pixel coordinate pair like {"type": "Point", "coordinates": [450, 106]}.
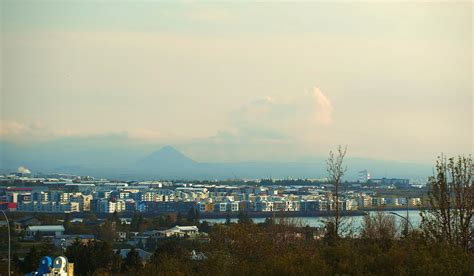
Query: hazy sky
{"type": "Point", "coordinates": [241, 81]}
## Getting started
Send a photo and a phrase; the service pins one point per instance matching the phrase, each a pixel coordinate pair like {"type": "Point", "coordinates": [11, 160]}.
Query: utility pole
{"type": "Point", "coordinates": [408, 222]}
{"type": "Point", "coordinates": [408, 219]}
{"type": "Point", "coordinates": [8, 225]}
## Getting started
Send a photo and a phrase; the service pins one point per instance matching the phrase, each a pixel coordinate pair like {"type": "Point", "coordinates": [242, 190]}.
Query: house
{"type": "Point", "coordinates": [139, 240]}
{"type": "Point", "coordinates": [122, 235]}
{"type": "Point", "coordinates": [10, 206]}
{"type": "Point", "coordinates": [180, 231]}
{"type": "Point", "coordinates": [67, 240]}
{"type": "Point", "coordinates": [151, 233]}
{"type": "Point", "coordinates": [48, 231]}
{"type": "Point", "coordinates": [21, 224]}
{"type": "Point", "coordinates": [145, 256]}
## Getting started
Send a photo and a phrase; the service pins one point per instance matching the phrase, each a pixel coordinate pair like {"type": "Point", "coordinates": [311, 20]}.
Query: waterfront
{"type": "Point", "coordinates": [356, 221]}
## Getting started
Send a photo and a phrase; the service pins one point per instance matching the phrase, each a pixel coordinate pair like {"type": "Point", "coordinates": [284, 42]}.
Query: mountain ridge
{"type": "Point", "coordinates": [169, 163]}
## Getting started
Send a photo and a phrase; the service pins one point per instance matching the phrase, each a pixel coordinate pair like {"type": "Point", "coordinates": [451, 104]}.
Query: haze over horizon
{"type": "Point", "coordinates": [233, 82]}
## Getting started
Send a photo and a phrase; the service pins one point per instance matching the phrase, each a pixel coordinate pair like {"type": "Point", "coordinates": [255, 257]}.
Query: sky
{"type": "Point", "coordinates": [237, 81]}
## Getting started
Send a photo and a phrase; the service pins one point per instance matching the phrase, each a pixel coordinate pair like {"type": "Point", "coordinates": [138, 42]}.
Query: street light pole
{"type": "Point", "coordinates": [405, 218]}
{"type": "Point", "coordinates": [408, 219]}
{"type": "Point", "coordinates": [8, 225]}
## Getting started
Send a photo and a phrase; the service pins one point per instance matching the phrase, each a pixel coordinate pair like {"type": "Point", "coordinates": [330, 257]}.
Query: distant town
{"type": "Point", "coordinates": [23, 191]}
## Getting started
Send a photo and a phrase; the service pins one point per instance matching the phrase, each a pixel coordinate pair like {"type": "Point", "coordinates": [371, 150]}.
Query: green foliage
{"type": "Point", "coordinates": [107, 232]}
{"type": "Point", "coordinates": [274, 249]}
{"type": "Point", "coordinates": [92, 256]}
{"type": "Point", "coordinates": [243, 217]}
{"type": "Point", "coordinates": [31, 260]}
{"type": "Point", "coordinates": [204, 227]}
{"type": "Point", "coordinates": [379, 227]}
{"type": "Point", "coordinates": [90, 217]}
{"type": "Point", "coordinates": [67, 222]}
{"type": "Point", "coordinates": [249, 249]}
{"type": "Point", "coordinates": [133, 262]}
{"type": "Point", "coordinates": [449, 220]}
{"type": "Point", "coordinates": [193, 216]}
{"type": "Point", "coordinates": [227, 218]}
{"type": "Point", "coordinates": [38, 236]}
{"type": "Point", "coordinates": [136, 223]}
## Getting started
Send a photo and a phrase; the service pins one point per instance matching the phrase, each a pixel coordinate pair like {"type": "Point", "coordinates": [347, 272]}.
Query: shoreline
{"type": "Point", "coordinates": [223, 215]}
{"type": "Point", "coordinates": [360, 212]}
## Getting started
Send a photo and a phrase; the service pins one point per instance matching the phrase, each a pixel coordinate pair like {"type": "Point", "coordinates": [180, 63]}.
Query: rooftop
{"type": "Point", "coordinates": [46, 228]}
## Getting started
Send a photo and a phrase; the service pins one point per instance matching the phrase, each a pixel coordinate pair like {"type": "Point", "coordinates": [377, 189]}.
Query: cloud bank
{"type": "Point", "coordinates": [323, 107]}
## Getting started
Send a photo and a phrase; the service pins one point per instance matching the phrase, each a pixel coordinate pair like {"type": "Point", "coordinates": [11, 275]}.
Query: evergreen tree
{"type": "Point", "coordinates": [243, 218]}
{"type": "Point", "coordinates": [67, 222]}
{"type": "Point", "coordinates": [204, 227]}
{"type": "Point", "coordinates": [116, 264]}
{"type": "Point", "coordinates": [106, 232]}
{"type": "Point", "coordinates": [269, 221]}
{"type": "Point", "coordinates": [151, 245]}
{"type": "Point", "coordinates": [180, 220]}
{"type": "Point", "coordinates": [31, 260]}
{"type": "Point", "coordinates": [133, 261]}
{"type": "Point", "coordinates": [137, 221]}
{"type": "Point", "coordinates": [90, 257]}
{"type": "Point", "coordinates": [38, 236]}
{"type": "Point", "coordinates": [227, 218]}
{"type": "Point", "coordinates": [193, 216]}
{"type": "Point", "coordinates": [115, 219]}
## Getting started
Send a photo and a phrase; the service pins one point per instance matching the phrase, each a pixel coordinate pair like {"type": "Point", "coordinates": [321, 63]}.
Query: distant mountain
{"type": "Point", "coordinates": [127, 162]}
{"type": "Point", "coordinates": [166, 156]}
{"type": "Point", "coordinates": [167, 162]}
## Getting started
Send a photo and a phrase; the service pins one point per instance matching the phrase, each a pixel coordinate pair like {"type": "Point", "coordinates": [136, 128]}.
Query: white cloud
{"type": "Point", "coordinates": [279, 119]}
{"type": "Point", "coordinates": [323, 107]}
{"type": "Point", "coordinates": [18, 130]}
{"type": "Point", "coordinates": [37, 131]}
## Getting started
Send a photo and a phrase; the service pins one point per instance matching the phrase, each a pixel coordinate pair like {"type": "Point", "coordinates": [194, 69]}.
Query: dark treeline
{"type": "Point", "coordinates": [272, 248]}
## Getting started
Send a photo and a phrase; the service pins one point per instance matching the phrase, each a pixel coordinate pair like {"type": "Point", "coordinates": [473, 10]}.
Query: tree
{"type": "Point", "coordinates": [116, 263]}
{"type": "Point", "coordinates": [451, 200]}
{"type": "Point", "coordinates": [31, 260]}
{"type": "Point", "coordinates": [114, 218]}
{"type": "Point", "coordinates": [180, 219]}
{"type": "Point", "coordinates": [38, 236]}
{"type": "Point", "coordinates": [227, 218]}
{"type": "Point", "coordinates": [137, 221]}
{"type": "Point", "coordinates": [106, 232]}
{"type": "Point", "coordinates": [92, 256]}
{"type": "Point", "coordinates": [243, 218]}
{"type": "Point", "coordinates": [16, 262]}
{"type": "Point", "coordinates": [67, 222]}
{"type": "Point", "coordinates": [90, 217]}
{"type": "Point", "coordinates": [269, 221]}
{"type": "Point", "coordinates": [204, 227]}
{"type": "Point", "coordinates": [193, 216]}
{"type": "Point", "coordinates": [335, 171]}
{"type": "Point", "coordinates": [379, 227]}
{"type": "Point", "coordinates": [150, 245]}
{"type": "Point", "coordinates": [133, 261]}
